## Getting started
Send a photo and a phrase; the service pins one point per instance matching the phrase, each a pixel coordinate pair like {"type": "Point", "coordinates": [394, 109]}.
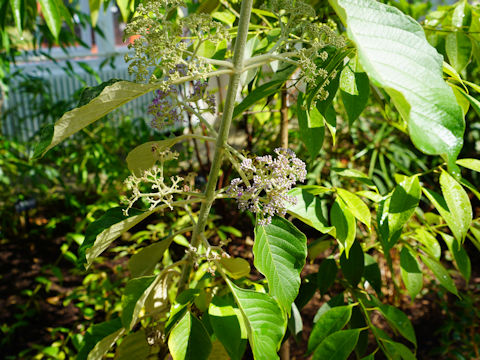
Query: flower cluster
{"type": "Point", "coordinates": [161, 191]}
{"type": "Point", "coordinates": [271, 179]}
{"type": "Point", "coordinates": [169, 47]}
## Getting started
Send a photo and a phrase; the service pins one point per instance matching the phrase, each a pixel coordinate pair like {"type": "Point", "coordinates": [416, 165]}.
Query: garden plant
{"type": "Point", "coordinates": [305, 72]}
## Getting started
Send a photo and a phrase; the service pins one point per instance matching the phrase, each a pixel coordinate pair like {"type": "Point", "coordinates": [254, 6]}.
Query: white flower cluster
{"type": "Point", "coordinates": [271, 180]}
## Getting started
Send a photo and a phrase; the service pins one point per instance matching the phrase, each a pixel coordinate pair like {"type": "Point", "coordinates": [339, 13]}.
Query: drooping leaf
{"type": "Point", "coordinates": [228, 325]}
{"type": "Point", "coordinates": [472, 164]}
{"type": "Point", "coordinates": [189, 340]}
{"type": "Point", "coordinates": [236, 268]}
{"type": "Point", "coordinates": [109, 99]}
{"type": "Point", "coordinates": [459, 49]}
{"type": "Point", "coordinates": [395, 54]}
{"type": "Point", "coordinates": [331, 321]}
{"type": "Point", "coordinates": [327, 273]}
{"type": "Point", "coordinates": [462, 260]}
{"type": "Point", "coordinates": [356, 206]}
{"type": "Point", "coordinates": [312, 137]}
{"type": "Point", "coordinates": [95, 334]}
{"type": "Point", "coordinates": [143, 262]}
{"type": "Point", "coordinates": [52, 16]}
{"type": "Point", "coordinates": [337, 346]}
{"type": "Point", "coordinates": [458, 204]}
{"type": "Point", "coordinates": [265, 321]}
{"type": "Point", "coordinates": [344, 223]}
{"type": "Point", "coordinates": [372, 273]}
{"type": "Point", "coordinates": [399, 321]}
{"type": "Point", "coordinates": [411, 274]}
{"type": "Point", "coordinates": [356, 98]}
{"type": "Point", "coordinates": [18, 9]}
{"type": "Point", "coordinates": [308, 209]}
{"type": "Point", "coordinates": [440, 273]}
{"type": "Point", "coordinates": [102, 232]}
{"type": "Point", "coordinates": [280, 250]}
{"type": "Point", "coordinates": [134, 296]}
{"type": "Point", "coordinates": [104, 345]}
{"type": "Point", "coordinates": [429, 241]}
{"type": "Point", "coordinates": [134, 346]}
{"type": "Point", "coordinates": [295, 322]}
{"type": "Point", "coordinates": [353, 267]}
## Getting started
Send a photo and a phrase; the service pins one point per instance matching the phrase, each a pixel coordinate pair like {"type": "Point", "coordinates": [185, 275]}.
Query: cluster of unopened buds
{"type": "Point", "coordinates": [269, 180]}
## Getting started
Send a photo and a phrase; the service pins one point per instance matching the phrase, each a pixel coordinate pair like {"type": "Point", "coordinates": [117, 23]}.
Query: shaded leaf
{"type": "Point", "coordinates": [353, 267]}
{"type": "Point", "coordinates": [344, 223]}
{"type": "Point", "coordinates": [411, 274]}
{"type": "Point", "coordinates": [189, 340]}
{"type": "Point", "coordinates": [327, 273]}
{"type": "Point", "coordinates": [337, 346]}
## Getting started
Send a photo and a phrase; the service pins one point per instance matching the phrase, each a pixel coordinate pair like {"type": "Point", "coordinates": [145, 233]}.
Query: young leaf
{"type": "Point", "coordinates": [103, 333]}
{"type": "Point", "coordinates": [308, 208]}
{"type": "Point", "coordinates": [143, 262]}
{"type": "Point", "coordinates": [312, 137]}
{"type": "Point", "coordinates": [395, 54]}
{"type": "Point", "coordinates": [337, 346]}
{"type": "Point", "coordinates": [344, 223]}
{"type": "Point", "coordinates": [110, 98]}
{"type": "Point", "coordinates": [327, 273]}
{"type": "Point", "coordinates": [411, 274]}
{"type": "Point", "coordinates": [228, 325]}
{"type": "Point", "coordinates": [102, 232]}
{"type": "Point", "coordinates": [280, 250]}
{"type": "Point", "coordinates": [265, 321]}
{"type": "Point", "coordinates": [189, 340]}
{"type": "Point", "coordinates": [458, 204]}
{"type": "Point", "coordinates": [134, 346]}
{"type": "Point", "coordinates": [133, 299]}
{"type": "Point", "coordinates": [331, 321]}
{"type": "Point", "coordinates": [236, 268]}
{"type": "Point", "coordinates": [356, 206]}
{"type": "Point", "coordinates": [353, 266]}
{"type": "Point", "coordinates": [440, 273]}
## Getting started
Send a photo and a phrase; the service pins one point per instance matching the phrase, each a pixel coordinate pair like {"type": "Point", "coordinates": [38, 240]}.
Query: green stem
{"type": "Point", "coordinates": [238, 59]}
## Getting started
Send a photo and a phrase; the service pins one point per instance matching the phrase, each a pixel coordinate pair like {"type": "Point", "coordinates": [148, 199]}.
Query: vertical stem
{"type": "Point", "coordinates": [238, 57]}
{"type": "Point", "coordinates": [284, 119]}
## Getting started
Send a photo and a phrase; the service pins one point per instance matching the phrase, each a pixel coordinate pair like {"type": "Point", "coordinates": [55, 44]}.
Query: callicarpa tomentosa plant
{"type": "Point", "coordinates": [205, 305]}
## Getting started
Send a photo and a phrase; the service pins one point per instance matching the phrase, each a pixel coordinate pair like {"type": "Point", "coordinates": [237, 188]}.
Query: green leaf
{"type": "Point", "coordinates": [312, 137]}
{"type": "Point", "coordinates": [104, 345]}
{"type": "Point", "coordinates": [134, 346]}
{"type": "Point", "coordinates": [110, 98]}
{"type": "Point", "coordinates": [331, 321]}
{"type": "Point", "coordinates": [372, 273]}
{"type": "Point", "coordinates": [472, 164]}
{"type": "Point", "coordinates": [102, 232]}
{"type": "Point", "coordinates": [52, 16]}
{"type": "Point", "coordinates": [344, 223]}
{"type": "Point", "coordinates": [355, 102]}
{"type": "Point", "coordinates": [134, 297]}
{"type": "Point", "coordinates": [236, 268]}
{"type": "Point", "coordinates": [458, 204]}
{"type": "Point", "coordinates": [94, 10]}
{"type": "Point", "coordinates": [440, 273]}
{"type": "Point", "coordinates": [189, 340]}
{"type": "Point", "coordinates": [411, 274]}
{"type": "Point", "coordinates": [399, 321]}
{"type": "Point", "coordinates": [228, 326]}
{"type": "Point", "coordinates": [337, 346]}
{"type": "Point", "coordinates": [356, 206]}
{"type": "Point", "coordinates": [396, 210]}
{"type": "Point", "coordinates": [395, 54]}
{"type": "Point", "coordinates": [462, 260]}
{"type": "Point", "coordinates": [126, 8]}
{"type": "Point", "coordinates": [327, 273]}
{"type": "Point", "coordinates": [143, 262]}
{"type": "Point", "coordinates": [308, 208]}
{"type": "Point", "coordinates": [180, 306]}
{"type": "Point", "coordinates": [474, 102]}
{"type": "Point", "coordinates": [432, 247]}
{"type": "Point", "coordinates": [263, 91]}
{"type": "Point", "coordinates": [144, 156]}
{"type": "Point", "coordinates": [354, 174]}
{"type": "Point", "coordinates": [96, 333]}
{"type": "Point", "coordinates": [353, 267]}
{"type": "Point", "coordinates": [459, 49]}
{"type": "Point", "coordinates": [280, 250]}
{"type": "Point", "coordinates": [265, 321]}
{"type": "Point", "coordinates": [295, 322]}
{"type": "Point", "coordinates": [18, 9]}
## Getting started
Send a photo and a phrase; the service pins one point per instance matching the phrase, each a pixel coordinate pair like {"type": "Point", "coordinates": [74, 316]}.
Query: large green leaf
{"type": "Point", "coordinates": [337, 346]}
{"type": "Point", "coordinates": [331, 321]}
{"type": "Point", "coordinates": [134, 346]}
{"type": "Point", "coordinates": [308, 208]}
{"type": "Point", "coordinates": [102, 232]}
{"type": "Point", "coordinates": [110, 98]}
{"type": "Point", "coordinates": [134, 297]}
{"type": "Point", "coordinates": [143, 262]}
{"type": "Point", "coordinates": [395, 54]}
{"type": "Point", "coordinates": [458, 204]}
{"type": "Point", "coordinates": [411, 274]}
{"type": "Point", "coordinates": [344, 223]}
{"type": "Point", "coordinates": [189, 340]}
{"type": "Point", "coordinates": [228, 325]}
{"type": "Point", "coordinates": [95, 334]}
{"type": "Point", "coordinates": [280, 251]}
{"type": "Point", "coordinates": [266, 323]}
